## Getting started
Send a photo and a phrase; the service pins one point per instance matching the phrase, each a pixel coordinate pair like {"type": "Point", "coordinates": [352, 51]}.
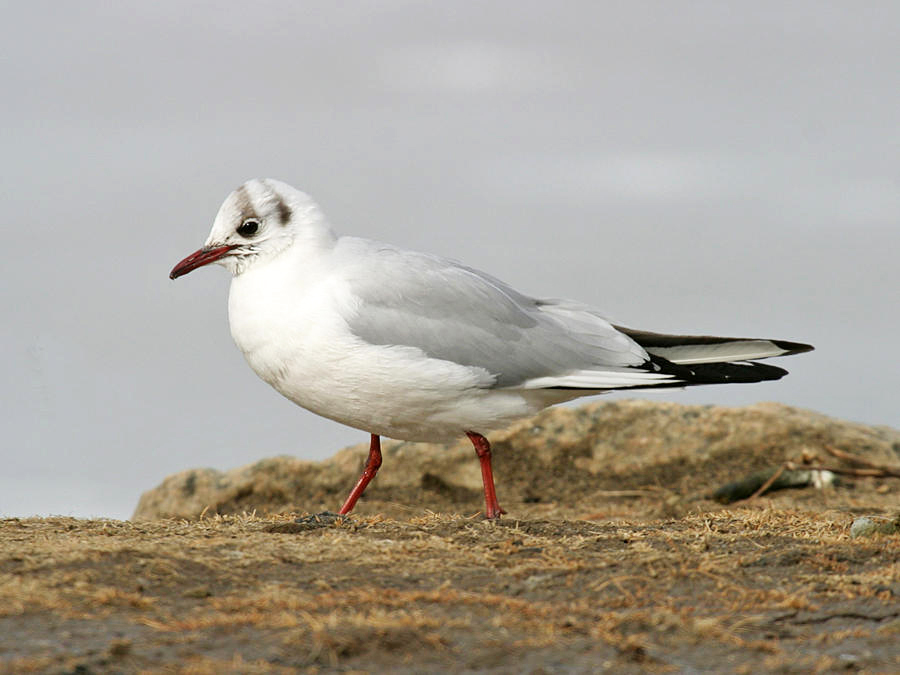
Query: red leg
{"type": "Point", "coordinates": [483, 450]}
{"type": "Point", "coordinates": [368, 474]}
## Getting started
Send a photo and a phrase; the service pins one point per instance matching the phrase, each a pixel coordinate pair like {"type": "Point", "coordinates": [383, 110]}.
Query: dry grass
{"type": "Point", "coordinates": [613, 558]}
{"type": "Point", "coordinates": [751, 588]}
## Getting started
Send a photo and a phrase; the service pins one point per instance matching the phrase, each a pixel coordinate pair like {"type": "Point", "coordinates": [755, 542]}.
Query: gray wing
{"type": "Point", "coordinates": [455, 313]}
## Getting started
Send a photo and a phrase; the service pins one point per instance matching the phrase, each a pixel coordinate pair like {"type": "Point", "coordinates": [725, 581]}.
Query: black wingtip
{"type": "Point", "coordinates": [719, 373]}
{"type": "Point", "coordinates": [792, 347]}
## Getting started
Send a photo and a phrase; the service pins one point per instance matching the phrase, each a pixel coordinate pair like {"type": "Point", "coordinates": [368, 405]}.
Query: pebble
{"type": "Point", "coordinates": [862, 527]}
{"type": "Point", "coordinates": [865, 527]}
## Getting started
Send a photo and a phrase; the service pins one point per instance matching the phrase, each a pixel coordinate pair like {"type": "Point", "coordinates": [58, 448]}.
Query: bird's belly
{"type": "Point", "coordinates": [312, 358]}
{"type": "Point", "coordinates": [388, 390]}
{"type": "Point", "coordinates": [432, 401]}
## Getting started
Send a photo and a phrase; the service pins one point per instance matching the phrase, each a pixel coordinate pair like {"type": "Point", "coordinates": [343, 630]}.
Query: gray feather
{"type": "Point", "coordinates": [459, 314]}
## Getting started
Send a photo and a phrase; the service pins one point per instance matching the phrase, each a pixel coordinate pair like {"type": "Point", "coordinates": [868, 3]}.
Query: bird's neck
{"type": "Point", "coordinates": [313, 238]}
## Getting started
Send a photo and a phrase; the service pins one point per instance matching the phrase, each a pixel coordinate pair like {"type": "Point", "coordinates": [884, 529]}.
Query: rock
{"type": "Point", "coordinates": [566, 461]}
{"type": "Point", "coordinates": [866, 527]}
{"type": "Point", "coordinates": [862, 527]}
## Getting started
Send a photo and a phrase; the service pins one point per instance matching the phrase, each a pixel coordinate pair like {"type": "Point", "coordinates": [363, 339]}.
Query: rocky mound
{"type": "Point", "coordinates": [588, 571]}
{"type": "Point", "coordinates": [608, 459]}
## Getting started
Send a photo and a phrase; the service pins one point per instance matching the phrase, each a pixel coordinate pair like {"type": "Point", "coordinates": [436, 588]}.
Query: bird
{"type": "Point", "coordinates": [417, 347]}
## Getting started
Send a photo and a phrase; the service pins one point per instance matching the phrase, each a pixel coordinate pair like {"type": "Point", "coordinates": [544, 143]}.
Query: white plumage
{"type": "Point", "coordinates": [417, 347]}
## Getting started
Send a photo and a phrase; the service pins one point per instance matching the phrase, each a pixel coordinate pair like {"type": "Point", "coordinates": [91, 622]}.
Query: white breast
{"type": "Point", "coordinates": [288, 317]}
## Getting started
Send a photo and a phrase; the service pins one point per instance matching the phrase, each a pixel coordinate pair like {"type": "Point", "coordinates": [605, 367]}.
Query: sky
{"type": "Point", "coordinates": [697, 167]}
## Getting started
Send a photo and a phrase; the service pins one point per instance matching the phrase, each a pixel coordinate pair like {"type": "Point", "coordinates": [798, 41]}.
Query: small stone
{"type": "Point", "coordinates": [862, 527]}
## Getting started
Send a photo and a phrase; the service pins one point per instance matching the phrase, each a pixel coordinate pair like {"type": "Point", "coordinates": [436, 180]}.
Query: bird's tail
{"type": "Point", "coordinates": [704, 359]}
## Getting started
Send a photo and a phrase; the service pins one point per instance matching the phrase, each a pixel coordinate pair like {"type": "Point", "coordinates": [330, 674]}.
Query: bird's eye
{"type": "Point", "coordinates": [248, 228]}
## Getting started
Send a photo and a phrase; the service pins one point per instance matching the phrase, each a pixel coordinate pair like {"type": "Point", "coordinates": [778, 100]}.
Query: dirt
{"type": "Point", "coordinates": [565, 463]}
{"type": "Point", "coordinates": [637, 572]}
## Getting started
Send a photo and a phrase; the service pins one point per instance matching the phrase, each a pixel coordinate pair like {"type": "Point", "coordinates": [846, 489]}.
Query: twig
{"type": "Point", "coordinates": [846, 471]}
{"type": "Point", "coordinates": [801, 473]}
{"type": "Point", "coordinates": [765, 486]}
{"type": "Point", "coordinates": [882, 469]}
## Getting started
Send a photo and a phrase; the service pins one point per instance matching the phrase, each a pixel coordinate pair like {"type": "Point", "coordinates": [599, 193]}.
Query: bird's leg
{"type": "Point", "coordinates": [368, 474]}
{"type": "Point", "coordinates": [483, 450]}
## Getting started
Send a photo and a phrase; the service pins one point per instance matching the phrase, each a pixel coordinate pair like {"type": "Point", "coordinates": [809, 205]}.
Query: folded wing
{"type": "Point", "coordinates": [459, 314]}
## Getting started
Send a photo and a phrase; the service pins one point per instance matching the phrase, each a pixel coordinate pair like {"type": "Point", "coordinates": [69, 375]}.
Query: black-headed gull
{"type": "Point", "coordinates": [421, 348]}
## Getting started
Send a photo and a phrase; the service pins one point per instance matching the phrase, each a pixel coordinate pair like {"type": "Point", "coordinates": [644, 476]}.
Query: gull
{"type": "Point", "coordinates": [417, 347]}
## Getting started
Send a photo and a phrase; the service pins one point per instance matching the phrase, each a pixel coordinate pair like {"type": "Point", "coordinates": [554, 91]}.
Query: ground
{"type": "Point", "coordinates": [742, 590]}
{"type": "Point", "coordinates": [640, 573]}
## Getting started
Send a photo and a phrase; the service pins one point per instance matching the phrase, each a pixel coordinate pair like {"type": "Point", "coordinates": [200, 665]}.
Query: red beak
{"type": "Point", "coordinates": [198, 259]}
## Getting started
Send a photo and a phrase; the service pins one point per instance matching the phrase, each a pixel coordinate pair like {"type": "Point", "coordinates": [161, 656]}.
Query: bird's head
{"type": "Point", "coordinates": [256, 222]}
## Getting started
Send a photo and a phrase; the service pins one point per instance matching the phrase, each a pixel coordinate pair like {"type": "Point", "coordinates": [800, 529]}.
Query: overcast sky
{"type": "Point", "coordinates": [711, 167]}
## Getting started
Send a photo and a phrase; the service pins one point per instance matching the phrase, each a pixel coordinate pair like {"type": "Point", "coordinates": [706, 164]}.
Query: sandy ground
{"type": "Point", "coordinates": [639, 572]}
{"type": "Point", "coordinates": [749, 589]}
